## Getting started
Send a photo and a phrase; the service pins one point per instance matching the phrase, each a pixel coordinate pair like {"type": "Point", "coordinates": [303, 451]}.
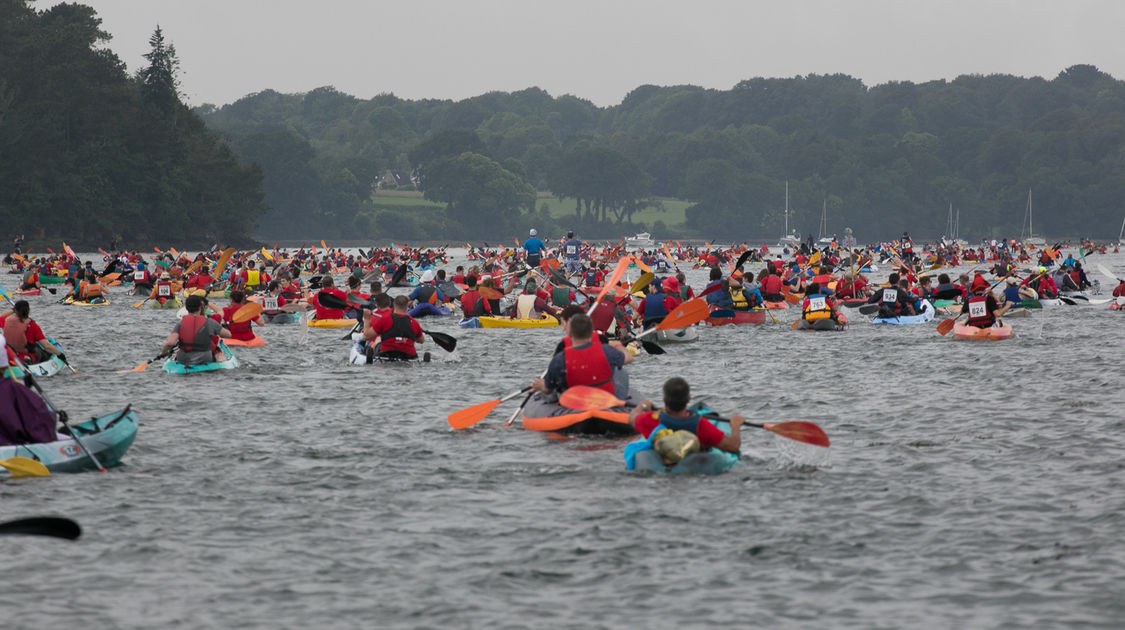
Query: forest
{"type": "Point", "coordinates": [88, 151]}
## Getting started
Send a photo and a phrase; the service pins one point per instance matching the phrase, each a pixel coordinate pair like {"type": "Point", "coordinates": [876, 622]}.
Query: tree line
{"type": "Point", "coordinates": [90, 154]}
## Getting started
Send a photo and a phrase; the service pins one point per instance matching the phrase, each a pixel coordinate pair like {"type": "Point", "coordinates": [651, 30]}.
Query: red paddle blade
{"type": "Point", "coordinates": [586, 398]}
{"type": "Point", "coordinates": [800, 431]}
{"type": "Point", "coordinates": [690, 312]}
{"type": "Point", "coordinates": [946, 325]}
{"type": "Point", "coordinates": [618, 271]}
{"type": "Point", "coordinates": [469, 416]}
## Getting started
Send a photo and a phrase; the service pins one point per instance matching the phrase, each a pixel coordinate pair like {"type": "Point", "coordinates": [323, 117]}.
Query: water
{"type": "Point", "coordinates": [971, 485]}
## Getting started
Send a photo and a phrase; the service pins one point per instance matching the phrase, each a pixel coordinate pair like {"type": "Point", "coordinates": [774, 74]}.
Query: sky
{"type": "Point", "coordinates": [600, 50]}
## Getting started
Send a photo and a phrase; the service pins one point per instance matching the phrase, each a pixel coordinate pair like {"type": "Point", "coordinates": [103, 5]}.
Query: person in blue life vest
{"type": "Point", "coordinates": [572, 252]}
{"type": "Point", "coordinates": [656, 305]}
{"type": "Point", "coordinates": [533, 249]}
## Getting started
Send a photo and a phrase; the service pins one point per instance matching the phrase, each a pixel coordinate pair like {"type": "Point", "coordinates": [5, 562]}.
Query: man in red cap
{"type": "Point", "coordinates": [980, 305]}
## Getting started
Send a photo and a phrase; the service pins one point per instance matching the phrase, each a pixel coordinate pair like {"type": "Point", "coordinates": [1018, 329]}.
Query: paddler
{"type": "Point", "coordinates": [273, 301]}
{"type": "Point", "coordinates": [565, 316]}
{"type": "Point", "coordinates": [143, 280]}
{"type": "Point", "coordinates": [893, 301]}
{"type": "Point", "coordinates": [585, 363]}
{"type": "Point", "coordinates": [818, 305]}
{"type": "Point", "coordinates": [531, 303]}
{"type": "Point", "coordinates": [981, 305]}
{"type": "Point", "coordinates": [426, 297]}
{"type": "Point", "coordinates": [196, 335]}
{"type": "Point", "coordinates": [656, 305]}
{"type": "Point", "coordinates": [164, 288]}
{"type": "Point", "coordinates": [328, 286]}
{"type": "Point", "coordinates": [87, 289]}
{"type": "Point", "coordinates": [533, 249]}
{"type": "Point", "coordinates": [30, 280]}
{"type": "Point", "coordinates": [242, 331]}
{"type": "Point", "coordinates": [397, 331]}
{"type": "Point", "coordinates": [675, 417]}
{"type": "Point", "coordinates": [24, 336]}
{"type": "Point", "coordinates": [572, 252]}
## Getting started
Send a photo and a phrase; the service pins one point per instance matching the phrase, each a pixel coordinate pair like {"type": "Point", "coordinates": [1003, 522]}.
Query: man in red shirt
{"type": "Point", "coordinates": [675, 416]}
{"type": "Point", "coordinates": [328, 286]}
{"type": "Point", "coordinates": [24, 336]}
{"type": "Point", "coordinates": [398, 332]}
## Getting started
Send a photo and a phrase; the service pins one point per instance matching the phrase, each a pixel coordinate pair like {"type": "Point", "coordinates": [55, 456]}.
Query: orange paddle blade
{"type": "Point", "coordinates": [469, 416]}
{"type": "Point", "coordinates": [796, 323]}
{"type": "Point", "coordinates": [793, 298]}
{"type": "Point", "coordinates": [224, 257]}
{"type": "Point", "coordinates": [946, 325]}
{"type": "Point", "coordinates": [641, 265]}
{"type": "Point", "coordinates": [800, 431]}
{"type": "Point", "coordinates": [247, 312]}
{"type": "Point", "coordinates": [322, 244]}
{"type": "Point", "coordinates": [157, 250]}
{"type": "Point", "coordinates": [174, 252]}
{"type": "Point", "coordinates": [691, 312]}
{"type": "Point", "coordinates": [618, 271]}
{"type": "Point", "coordinates": [586, 398]}
{"type": "Point", "coordinates": [489, 293]}
{"type": "Point", "coordinates": [194, 267]}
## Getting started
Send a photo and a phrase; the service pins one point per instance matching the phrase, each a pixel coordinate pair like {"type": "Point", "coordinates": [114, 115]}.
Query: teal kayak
{"type": "Point", "coordinates": [712, 462]}
{"type": "Point", "coordinates": [108, 437]}
{"type": "Point", "coordinates": [175, 367]}
{"type": "Point", "coordinates": [50, 367]}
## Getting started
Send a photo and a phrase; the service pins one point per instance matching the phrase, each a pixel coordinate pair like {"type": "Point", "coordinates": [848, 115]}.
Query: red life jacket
{"type": "Point", "coordinates": [771, 285]}
{"type": "Point", "coordinates": [603, 315]}
{"type": "Point", "coordinates": [469, 301]}
{"type": "Point", "coordinates": [978, 312]}
{"type": "Point", "coordinates": [190, 326]}
{"type": "Point", "coordinates": [588, 366]}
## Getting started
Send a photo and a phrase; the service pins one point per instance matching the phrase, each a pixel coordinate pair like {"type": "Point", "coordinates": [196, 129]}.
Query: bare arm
{"type": "Point", "coordinates": [732, 442]}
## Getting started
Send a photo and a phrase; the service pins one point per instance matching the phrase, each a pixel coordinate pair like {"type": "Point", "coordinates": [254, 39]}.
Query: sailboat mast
{"type": "Point", "coordinates": [787, 207]}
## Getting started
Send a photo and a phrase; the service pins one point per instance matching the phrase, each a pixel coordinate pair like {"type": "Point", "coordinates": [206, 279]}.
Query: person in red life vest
{"type": "Point", "coordinates": [981, 306]}
{"type": "Point", "coordinates": [196, 335]}
{"type": "Point", "coordinates": [569, 312]}
{"type": "Point", "coordinates": [243, 331]}
{"type": "Point", "coordinates": [290, 289]}
{"type": "Point", "coordinates": [472, 304]}
{"type": "Point", "coordinates": [24, 336]}
{"type": "Point", "coordinates": [711, 259]}
{"type": "Point", "coordinates": [676, 417]}
{"type": "Point", "coordinates": [656, 306]}
{"type": "Point", "coordinates": [458, 275]}
{"type": "Point", "coordinates": [771, 286]}
{"type": "Point", "coordinates": [584, 362]}
{"type": "Point", "coordinates": [143, 280]}
{"type": "Point", "coordinates": [1119, 290]}
{"type": "Point", "coordinates": [1043, 284]}
{"type": "Point", "coordinates": [354, 285]}
{"type": "Point", "coordinates": [329, 287]}
{"type": "Point", "coordinates": [200, 281]}
{"type": "Point", "coordinates": [273, 301]}
{"type": "Point", "coordinates": [397, 332]}
{"type": "Point", "coordinates": [852, 286]}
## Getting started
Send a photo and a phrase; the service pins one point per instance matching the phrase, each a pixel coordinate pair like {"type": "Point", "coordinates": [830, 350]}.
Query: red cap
{"type": "Point", "coordinates": [979, 283]}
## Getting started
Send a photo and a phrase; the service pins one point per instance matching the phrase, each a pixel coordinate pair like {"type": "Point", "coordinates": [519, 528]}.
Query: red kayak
{"type": "Point", "coordinates": [723, 317]}
{"type": "Point", "coordinates": [29, 292]}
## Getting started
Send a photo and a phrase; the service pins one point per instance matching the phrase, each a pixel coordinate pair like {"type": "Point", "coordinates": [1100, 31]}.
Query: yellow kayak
{"type": "Point", "coordinates": [332, 323]}
{"type": "Point", "coordinates": [546, 321]}
{"type": "Point", "coordinates": [73, 302]}
{"type": "Point", "coordinates": [214, 294]}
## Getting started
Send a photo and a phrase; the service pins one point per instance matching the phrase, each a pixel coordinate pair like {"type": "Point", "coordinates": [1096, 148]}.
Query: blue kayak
{"type": "Point", "coordinates": [469, 322]}
{"type": "Point", "coordinates": [108, 437]}
{"type": "Point", "coordinates": [175, 367]}
{"type": "Point", "coordinates": [924, 316]}
{"type": "Point", "coordinates": [712, 462]}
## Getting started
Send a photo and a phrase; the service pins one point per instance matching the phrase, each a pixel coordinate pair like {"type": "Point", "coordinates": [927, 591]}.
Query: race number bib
{"type": "Point", "coordinates": [138, 275]}
{"type": "Point", "coordinates": [816, 303]}
{"type": "Point", "coordinates": [164, 290]}
{"type": "Point", "coordinates": [269, 303]}
{"type": "Point", "coordinates": [978, 310]}
{"type": "Point", "coordinates": [890, 295]}
{"type": "Point", "coordinates": [571, 250]}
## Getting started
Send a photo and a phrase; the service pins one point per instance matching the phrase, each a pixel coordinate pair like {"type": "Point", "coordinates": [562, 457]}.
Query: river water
{"type": "Point", "coordinates": [971, 485]}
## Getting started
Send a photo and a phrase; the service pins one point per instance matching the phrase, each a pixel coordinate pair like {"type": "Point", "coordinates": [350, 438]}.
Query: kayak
{"type": "Point", "coordinates": [108, 437]}
{"type": "Point", "coordinates": [730, 317]}
{"type": "Point", "coordinates": [996, 332]}
{"type": "Point", "coordinates": [675, 335]}
{"type": "Point", "coordinates": [49, 279]}
{"type": "Point", "coordinates": [469, 322]}
{"type": "Point", "coordinates": [425, 308]}
{"type": "Point", "coordinates": [174, 367]}
{"type": "Point", "coordinates": [281, 318]}
{"type": "Point", "coordinates": [823, 324]}
{"type": "Point", "coordinates": [50, 367]}
{"type": "Point", "coordinates": [711, 462]}
{"type": "Point", "coordinates": [29, 292]}
{"type": "Point", "coordinates": [331, 323]}
{"type": "Point", "coordinates": [167, 303]}
{"type": "Point", "coordinates": [356, 356]}
{"type": "Point", "coordinates": [926, 315]}
{"type": "Point", "coordinates": [217, 293]}
{"type": "Point", "coordinates": [98, 301]}
{"type": "Point", "coordinates": [776, 305]}
{"type": "Point", "coordinates": [544, 413]}
{"type": "Point", "coordinates": [545, 321]}
{"type": "Point", "coordinates": [256, 342]}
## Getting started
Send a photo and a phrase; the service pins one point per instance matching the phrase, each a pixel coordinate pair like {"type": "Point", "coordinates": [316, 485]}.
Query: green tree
{"type": "Point", "coordinates": [480, 194]}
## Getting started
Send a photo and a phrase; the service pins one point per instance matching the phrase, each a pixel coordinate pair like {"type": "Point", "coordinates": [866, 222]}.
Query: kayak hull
{"type": "Point", "coordinates": [256, 342]}
{"type": "Point", "coordinates": [712, 462]}
{"type": "Point", "coordinates": [108, 437]}
{"type": "Point", "coordinates": [740, 317]}
{"type": "Point", "coordinates": [678, 335]}
{"type": "Point", "coordinates": [175, 367]}
{"type": "Point", "coordinates": [546, 321]}
{"type": "Point", "coordinates": [826, 324]}
{"type": "Point", "coordinates": [281, 318]}
{"type": "Point", "coordinates": [992, 333]}
{"type": "Point", "coordinates": [926, 315]}
{"type": "Point", "coordinates": [70, 301]}
{"type": "Point", "coordinates": [167, 303]}
{"type": "Point", "coordinates": [331, 323]}
{"type": "Point", "coordinates": [544, 413]}
{"type": "Point", "coordinates": [50, 367]}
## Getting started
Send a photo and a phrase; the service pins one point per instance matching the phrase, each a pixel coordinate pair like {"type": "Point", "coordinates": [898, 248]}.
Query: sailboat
{"type": "Point", "coordinates": [822, 237]}
{"type": "Point", "coordinates": [1031, 240]}
{"type": "Point", "coordinates": [788, 239]}
{"type": "Point", "coordinates": [1121, 243]}
{"type": "Point", "coordinates": [952, 226]}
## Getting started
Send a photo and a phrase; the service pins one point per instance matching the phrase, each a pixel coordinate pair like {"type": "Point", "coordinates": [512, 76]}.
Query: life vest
{"type": "Point", "coordinates": [253, 278]}
{"type": "Point", "coordinates": [400, 329]}
{"type": "Point", "coordinates": [591, 277]}
{"type": "Point", "coordinates": [739, 299]}
{"type": "Point", "coordinates": [427, 293]}
{"type": "Point", "coordinates": [525, 306]}
{"type": "Point", "coordinates": [560, 296]}
{"type": "Point", "coordinates": [15, 333]}
{"type": "Point", "coordinates": [190, 327]}
{"type": "Point", "coordinates": [978, 312]}
{"type": "Point", "coordinates": [89, 290]}
{"type": "Point", "coordinates": [238, 330]}
{"type": "Point", "coordinates": [1012, 294]}
{"type": "Point", "coordinates": [164, 289]}
{"type": "Point", "coordinates": [890, 301]}
{"type": "Point", "coordinates": [816, 307]}
{"type": "Point", "coordinates": [771, 285]}
{"type": "Point", "coordinates": [667, 422]}
{"type": "Point", "coordinates": [588, 366]}
{"type": "Point", "coordinates": [603, 318]}
{"type": "Point", "coordinates": [469, 300]}
{"type": "Point", "coordinates": [654, 307]}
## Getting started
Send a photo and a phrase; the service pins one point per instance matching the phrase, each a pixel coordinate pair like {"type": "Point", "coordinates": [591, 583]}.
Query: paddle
{"type": "Point", "coordinates": [247, 312]}
{"type": "Point", "coordinates": [1109, 274]}
{"type": "Point", "coordinates": [444, 341]}
{"type": "Point", "coordinates": [691, 312]}
{"type": "Point", "coordinates": [143, 366]}
{"type": "Point", "coordinates": [585, 398]}
{"type": "Point", "coordinates": [54, 526]}
{"type": "Point", "coordinates": [24, 467]}
{"type": "Point", "coordinates": [399, 274]}
{"type": "Point", "coordinates": [947, 324]}
{"type": "Point", "coordinates": [469, 416]}
{"type": "Point", "coordinates": [61, 414]}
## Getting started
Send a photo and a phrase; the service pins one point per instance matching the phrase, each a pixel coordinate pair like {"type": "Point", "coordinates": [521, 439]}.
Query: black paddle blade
{"type": "Point", "coordinates": [400, 273]}
{"type": "Point", "coordinates": [328, 300]}
{"type": "Point", "coordinates": [652, 347]}
{"type": "Point", "coordinates": [444, 341]}
{"type": "Point", "coordinates": [742, 259]}
{"type": "Point", "coordinates": [868, 309]}
{"type": "Point", "coordinates": [355, 300]}
{"type": "Point", "coordinates": [55, 526]}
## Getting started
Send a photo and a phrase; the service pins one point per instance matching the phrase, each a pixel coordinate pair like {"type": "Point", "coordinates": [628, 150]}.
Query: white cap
{"type": "Point", "coordinates": [427, 275]}
{"type": "Point", "coordinates": [533, 232]}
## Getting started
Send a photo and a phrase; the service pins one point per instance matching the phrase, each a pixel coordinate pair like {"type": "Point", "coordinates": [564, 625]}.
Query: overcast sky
{"type": "Point", "coordinates": [601, 49]}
